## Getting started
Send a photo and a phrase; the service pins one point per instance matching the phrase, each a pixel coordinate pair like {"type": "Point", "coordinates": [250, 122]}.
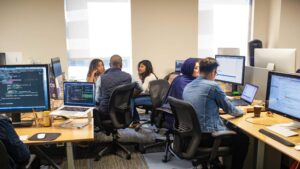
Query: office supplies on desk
{"type": "Point", "coordinates": [277, 138]}
{"type": "Point", "coordinates": [79, 100]}
{"type": "Point", "coordinates": [282, 131]}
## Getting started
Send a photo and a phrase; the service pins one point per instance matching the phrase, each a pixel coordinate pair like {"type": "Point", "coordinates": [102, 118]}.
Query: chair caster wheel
{"type": "Point", "coordinates": [97, 158]}
{"type": "Point", "coordinates": [164, 160]}
{"type": "Point", "coordinates": [137, 129]}
{"type": "Point", "coordinates": [128, 156]}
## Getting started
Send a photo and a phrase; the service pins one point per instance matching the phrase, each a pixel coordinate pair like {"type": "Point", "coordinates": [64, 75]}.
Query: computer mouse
{"type": "Point", "coordinates": [41, 136]}
{"type": "Point", "coordinates": [297, 147]}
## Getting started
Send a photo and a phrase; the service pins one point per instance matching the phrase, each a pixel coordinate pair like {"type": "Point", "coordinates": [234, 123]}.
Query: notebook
{"type": "Point", "coordinates": [247, 96]}
{"type": "Point", "coordinates": [79, 99]}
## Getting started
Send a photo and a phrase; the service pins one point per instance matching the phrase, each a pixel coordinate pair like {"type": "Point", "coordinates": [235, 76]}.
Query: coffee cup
{"type": "Point", "coordinates": [257, 110]}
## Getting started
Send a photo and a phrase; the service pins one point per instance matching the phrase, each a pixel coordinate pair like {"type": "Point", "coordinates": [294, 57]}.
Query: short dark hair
{"type": "Point", "coordinates": [208, 64]}
{"type": "Point", "coordinates": [115, 61]}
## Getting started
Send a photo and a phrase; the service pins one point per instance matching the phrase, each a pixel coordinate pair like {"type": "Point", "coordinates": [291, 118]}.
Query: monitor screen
{"type": "Point", "coordinates": [79, 93]}
{"type": "Point", "coordinates": [178, 64]}
{"type": "Point", "coordinates": [24, 88]}
{"type": "Point", "coordinates": [56, 66]}
{"type": "Point", "coordinates": [2, 59]}
{"type": "Point", "coordinates": [249, 92]}
{"type": "Point", "coordinates": [283, 94]}
{"type": "Point", "coordinates": [231, 69]}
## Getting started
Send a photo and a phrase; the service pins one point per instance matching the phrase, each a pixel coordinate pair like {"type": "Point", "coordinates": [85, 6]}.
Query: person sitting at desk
{"type": "Point", "coordinates": [190, 71]}
{"type": "Point", "coordinates": [18, 152]}
{"type": "Point", "coordinates": [96, 69]}
{"type": "Point", "coordinates": [207, 97]}
{"type": "Point", "coordinates": [146, 75]}
{"type": "Point", "coordinates": [111, 78]}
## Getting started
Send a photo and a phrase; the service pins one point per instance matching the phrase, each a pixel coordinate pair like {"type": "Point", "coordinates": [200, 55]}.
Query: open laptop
{"type": "Point", "coordinates": [79, 99]}
{"type": "Point", "coordinates": [247, 96]}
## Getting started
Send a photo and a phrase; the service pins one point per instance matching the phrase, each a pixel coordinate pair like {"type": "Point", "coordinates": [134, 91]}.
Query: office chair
{"type": "Point", "coordinates": [4, 160]}
{"type": "Point", "coordinates": [187, 137]}
{"type": "Point", "coordinates": [120, 118]}
{"type": "Point", "coordinates": [158, 90]}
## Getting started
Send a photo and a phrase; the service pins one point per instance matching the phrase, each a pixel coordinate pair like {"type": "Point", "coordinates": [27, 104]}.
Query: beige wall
{"type": "Point", "coordinates": [163, 31]}
{"type": "Point", "coordinates": [34, 27]}
{"type": "Point", "coordinates": [289, 35]}
{"type": "Point", "coordinates": [277, 23]}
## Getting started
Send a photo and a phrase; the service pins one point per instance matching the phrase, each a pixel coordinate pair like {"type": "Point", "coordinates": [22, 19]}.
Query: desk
{"type": "Point", "coordinates": [67, 136]}
{"type": "Point", "coordinates": [252, 129]}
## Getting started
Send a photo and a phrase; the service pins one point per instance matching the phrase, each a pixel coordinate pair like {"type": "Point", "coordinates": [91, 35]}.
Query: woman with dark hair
{"type": "Point", "coordinates": [146, 75]}
{"type": "Point", "coordinates": [189, 72]}
{"type": "Point", "coordinates": [96, 69]}
{"type": "Point", "coordinates": [145, 71]}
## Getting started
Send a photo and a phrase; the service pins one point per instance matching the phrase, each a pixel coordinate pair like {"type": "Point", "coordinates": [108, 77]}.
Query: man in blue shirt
{"type": "Point", "coordinates": [18, 152]}
{"type": "Point", "coordinates": [207, 97]}
{"type": "Point", "coordinates": [111, 78]}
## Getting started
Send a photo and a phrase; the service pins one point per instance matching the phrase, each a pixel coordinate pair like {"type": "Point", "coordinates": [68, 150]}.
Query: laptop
{"type": "Point", "coordinates": [79, 99]}
{"type": "Point", "coordinates": [247, 96]}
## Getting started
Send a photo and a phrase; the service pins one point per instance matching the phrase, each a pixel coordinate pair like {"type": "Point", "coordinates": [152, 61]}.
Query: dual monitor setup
{"type": "Point", "coordinates": [25, 88]}
{"type": "Point", "coordinates": [282, 89]}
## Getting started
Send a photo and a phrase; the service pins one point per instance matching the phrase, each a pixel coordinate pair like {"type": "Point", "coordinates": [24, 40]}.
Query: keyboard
{"type": "Point", "coordinates": [277, 138]}
{"type": "Point", "coordinates": [239, 102]}
{"type": "Point", "coordinates": [81, 109]}
{"type": "Point", "coordinates": [282, 131]}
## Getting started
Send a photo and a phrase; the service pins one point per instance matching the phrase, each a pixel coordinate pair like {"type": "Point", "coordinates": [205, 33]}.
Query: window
{"type": "Point", "coordinates": [223, 24]}
{"type": "Point", "coordinates": [97, 29]}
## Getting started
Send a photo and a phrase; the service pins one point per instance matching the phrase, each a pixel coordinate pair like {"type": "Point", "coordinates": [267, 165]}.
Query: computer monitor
{"type": "Point", "coordinates": [24, 88]}
{"type": "Point", "coordinates": [283, 95]}
{"type": "Point", "coordinates": [284, 60]}
{"type": "Point", "coordinates": [56, 68]}
{"type": "Point", "coordinates": [231, 70]}
{"type": "Point", "coordinates": [178, 65]}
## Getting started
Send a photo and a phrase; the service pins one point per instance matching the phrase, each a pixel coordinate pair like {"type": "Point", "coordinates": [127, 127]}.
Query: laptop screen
{"type": "Point", "coordinates": [79, 94]}
{"type": "Point", "coordinates": [249, 93]}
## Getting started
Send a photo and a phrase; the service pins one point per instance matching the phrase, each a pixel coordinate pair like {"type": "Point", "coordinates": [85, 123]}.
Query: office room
{"type": "Point", "coordinates": [158, 59]}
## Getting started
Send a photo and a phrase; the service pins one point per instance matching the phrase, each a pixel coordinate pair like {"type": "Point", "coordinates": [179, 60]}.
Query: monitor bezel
{"type": "Point", "coordinates": [20, 110]}
{"type": "Point", "coordinates": [243, 73]}
{"type": "Point", "coordinates": [268, 92]}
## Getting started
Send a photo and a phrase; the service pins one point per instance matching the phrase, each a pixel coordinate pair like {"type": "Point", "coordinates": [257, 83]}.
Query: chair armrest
{"type": "Point", "coordinates": [218, 134]}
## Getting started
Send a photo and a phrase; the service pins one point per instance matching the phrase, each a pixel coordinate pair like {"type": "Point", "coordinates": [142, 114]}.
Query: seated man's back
{"type": "Point", "coordinates": [18, 152]}
{"type": "Point", "coordinates": [112, 78]}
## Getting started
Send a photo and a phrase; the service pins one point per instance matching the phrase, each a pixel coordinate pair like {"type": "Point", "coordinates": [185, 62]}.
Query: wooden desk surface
{"type": "Point", "coordinates": [252, 129]}
{"type": "Point", "coordinates": [67, 134]}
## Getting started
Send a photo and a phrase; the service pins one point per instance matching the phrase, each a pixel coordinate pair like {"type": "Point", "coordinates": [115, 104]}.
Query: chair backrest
{"type": "Point", "coordinates": [119, 105]}
{"type": "Point", "coordinates": [187, 132]}
{"type": "Point", "coordinates": [158, 90]}
{"type": "Point", "coordinates": [4, 158]}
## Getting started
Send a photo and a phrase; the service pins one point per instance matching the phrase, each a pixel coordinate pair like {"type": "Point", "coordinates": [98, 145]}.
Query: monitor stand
{"type": "Point", "coordinates": [234, 91]}
{"type": "Point", "coordinates": [291, 126]}
{"type": "Point", "coordinates": [16, 121]}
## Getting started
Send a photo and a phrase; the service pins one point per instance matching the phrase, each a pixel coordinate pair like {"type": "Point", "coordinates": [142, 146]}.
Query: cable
{"type": "Point", "coordinates": [256, 123]}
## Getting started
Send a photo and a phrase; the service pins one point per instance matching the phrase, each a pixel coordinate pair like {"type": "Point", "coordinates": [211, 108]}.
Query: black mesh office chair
{"type": "Point", "coordinates": [158, 90]}
{"type": "Point", "coordinates": [187, 136]}
{"type": "Point", "coordinates": [120, 117]}
{"type": "Point", "coordinates": [4, 160]}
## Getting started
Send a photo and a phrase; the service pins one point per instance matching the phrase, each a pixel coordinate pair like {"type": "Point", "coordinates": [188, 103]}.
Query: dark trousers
{"type": "Point", "coordinates": [239, 144]}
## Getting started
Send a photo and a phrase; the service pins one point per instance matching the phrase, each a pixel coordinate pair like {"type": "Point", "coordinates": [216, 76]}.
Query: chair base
{"type": "Point", "coordinates": [113, 147]}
